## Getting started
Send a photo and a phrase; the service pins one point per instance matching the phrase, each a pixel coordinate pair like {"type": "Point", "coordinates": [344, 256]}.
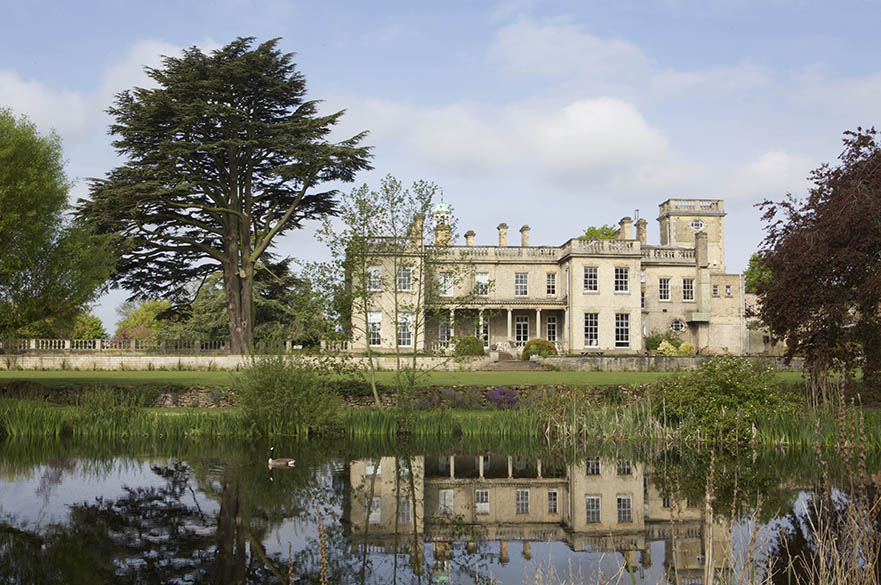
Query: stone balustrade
{"type": "Point", "coordinates": [141, 346]}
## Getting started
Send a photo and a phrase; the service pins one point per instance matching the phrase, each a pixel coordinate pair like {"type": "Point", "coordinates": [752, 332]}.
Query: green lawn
{"type": "Point", "coordinates": [222, 378]}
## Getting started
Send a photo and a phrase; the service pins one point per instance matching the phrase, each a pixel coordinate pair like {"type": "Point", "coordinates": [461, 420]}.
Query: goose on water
{"type": "Point", "coordinates": [280, 461]}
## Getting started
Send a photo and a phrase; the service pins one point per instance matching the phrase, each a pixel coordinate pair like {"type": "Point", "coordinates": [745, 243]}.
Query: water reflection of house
{"type": "Point", "coordinates": [598, 505]}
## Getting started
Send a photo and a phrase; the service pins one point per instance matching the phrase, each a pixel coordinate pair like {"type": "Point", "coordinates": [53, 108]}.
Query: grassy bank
{"type": "Point", "coordinates": [223, 378]}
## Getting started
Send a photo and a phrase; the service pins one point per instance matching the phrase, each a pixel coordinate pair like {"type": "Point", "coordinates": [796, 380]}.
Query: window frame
{"type": "Point", "coordinates": [688, 290]}
{"type": "Point", "coordinates": [622, 279]}
{"type": "Point", "coordinates": [374, 327]}
{"type": "Point", "coordinates": [624, 506]}
{"type": "Point", "coordinates": [591, 280]}
{"type": "Point", "coordinates": [445, 284]}
{"type": "Point", "coordinates": [445, 502]}
{"type": "Point", "coordinates": [551, 284]}
{"type": "Point", "coordinates": [592, 327]}
{"type": "Point", "coordinates": [593, 507]}
{"type": "Point", "coordinates": [664, 289]}
{"type": "Point", "coordinates": [593, 466]}
{"type": "Point", "coordinates": [481, 502]}
{"type": "Point", "coordinates": [481, 284]}
{"type": "Point", "coordinates": [521, 501]}
{"type": "Point", "coordinates": [405, 320]}
{"type": "Point", "coordinates": [521, 284]}
{"type": "Point", "coordinates": [399, 277]}
{"type": "Point", "coordinates": [622, 329]}
{"type": "Point", "coordinates": [551, 320]}
{"type": "Point", "coordinates": [520, 320]}
{"type": "Point", "coordinates": [555, 499]}
{"type": "Point", "coordinates": [444, 331]}
{"type": "Point", "coordinates": [374, 278]}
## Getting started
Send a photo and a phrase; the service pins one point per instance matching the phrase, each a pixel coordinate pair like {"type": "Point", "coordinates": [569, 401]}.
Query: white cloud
{"type": "Point", "coordinates": [65, 111]}
{"type": "Point", "coordinates": [771, 176]}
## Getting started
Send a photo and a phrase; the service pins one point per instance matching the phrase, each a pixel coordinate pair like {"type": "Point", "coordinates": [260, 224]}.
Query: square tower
{"type": "Point", "coordinates": [680, 219]}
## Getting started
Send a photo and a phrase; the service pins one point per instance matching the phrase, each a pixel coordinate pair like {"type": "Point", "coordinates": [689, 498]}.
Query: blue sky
{"type": "Point", "coordinates": [556, 114]}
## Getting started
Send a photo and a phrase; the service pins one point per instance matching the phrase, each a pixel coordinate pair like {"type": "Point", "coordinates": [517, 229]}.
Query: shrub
{"type": "Point", "coordinates": [284, 396]}
{"type": "Point", "coordinates": [686, 349]}
{"type": "Point", "coordinates": [723, 397]}
{"type": "Point", "coordinates": [469, 346]}
{"type": "Point", "coordinates": [655, 338]}
{"type": "Point", "coordinates": [667, 348]}
{"type": "Point", "coordinates": [538, 347]}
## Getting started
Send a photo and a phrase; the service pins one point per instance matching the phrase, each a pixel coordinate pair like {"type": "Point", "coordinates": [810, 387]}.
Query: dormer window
{"type": "Point", "coordinates": [697, 225]}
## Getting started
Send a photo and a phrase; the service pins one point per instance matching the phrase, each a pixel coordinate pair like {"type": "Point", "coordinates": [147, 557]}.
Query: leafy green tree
{"type": "Point", "coordinates": [141, 321]}
{"type": "Point", "coordinates": [88, 326]}
{"type": "Point", "coordinates": [603, 232]}
{"type": "Point", "coordinates": [223, 156]}
{"type": "Point", "coordinates": [50, 267]}
{"type": "Point", "coordinates": [756, 273]}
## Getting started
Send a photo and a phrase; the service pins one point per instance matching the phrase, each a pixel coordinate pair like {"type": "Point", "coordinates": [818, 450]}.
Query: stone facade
{"type": "Point", "coordinates": [585, 296]}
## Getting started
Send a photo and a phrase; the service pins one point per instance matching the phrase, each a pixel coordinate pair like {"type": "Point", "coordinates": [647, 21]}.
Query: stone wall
{"type": "Point", "coordinates": [649, 363]}
{"type": "Point", "coordinates": [222, 362]}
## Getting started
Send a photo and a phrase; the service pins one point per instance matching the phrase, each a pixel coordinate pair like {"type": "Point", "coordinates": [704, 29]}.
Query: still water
{"type": "Point", "coordinates": [213, 512]}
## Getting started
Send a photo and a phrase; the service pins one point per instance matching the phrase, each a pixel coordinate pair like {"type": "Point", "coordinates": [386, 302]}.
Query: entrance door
{"type": "Point", "coordinates": [521, 328]}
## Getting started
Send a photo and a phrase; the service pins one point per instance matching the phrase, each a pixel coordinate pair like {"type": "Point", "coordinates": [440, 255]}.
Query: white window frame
{"type": "Point", "coordinates": [372, 466]}
{"type": "Point", "coordinates": [591, 279]}
{"type": "Point", "coordinates": [727, 290]}
{"type": "Point", "coordinates": [404, 280]}
{"type": "Point", "coordinates": [678, 325]}
{"type": "Point", "coordinates": [688, 289]}
{"type": "Point", "coordinates": [481, 284]}
{"type": "Point", "coordinates": [445, 501]}
{"type": "Point", "coordinates": [374, 328]}
{"type": "Point", "coordinates": [521, 328]}
{"type": "Point", "coordinates": [625, 508]}
{"type": "Point", "coordinates": [593, 506]}
{"type": "Point", "coordinates": [481, 502]}
{"type": "Point", "coordinates": [443, 331]}
{"type": "Point", "coordinates": [404, 329]}
{"type": "Point", "coordinates": [553, 501]}
{"type": "Point", "coordinates": [591, 329]}
{"type": "Point", "coordinates": [551, 284]}
{"type": "Point", "coordinates": [482, 335]}
{"type": "Point", "coordinates": [592, 466]}
{"type": "Point", "coordinates": [622, 329]}
{"type": "Point", "coordinates": [445, 284]}
{"type": "Point", "coordinates": [521, 284]}
{"type": "Point", "coordinates": [521, 501]}
{"type": "Point", "coordinates": [624, 467]}
{"type": "Point", "coordinates": [663, 289]}
{"type": "Point", "coordinates": [551, 328]}
{"type": "Point", "coordinates": [622, 279]}
{"type": "Point", "coordinates": [374, 278]}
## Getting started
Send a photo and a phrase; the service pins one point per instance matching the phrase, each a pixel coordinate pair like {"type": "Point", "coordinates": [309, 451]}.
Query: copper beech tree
{"type": "Point", "coordinates": [823, 255]}
{"type": "Point", "coordinates": [223, 156]}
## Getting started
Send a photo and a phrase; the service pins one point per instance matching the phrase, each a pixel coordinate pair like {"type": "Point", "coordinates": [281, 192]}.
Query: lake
{"type": "Point", "coordinates": [213, 512]}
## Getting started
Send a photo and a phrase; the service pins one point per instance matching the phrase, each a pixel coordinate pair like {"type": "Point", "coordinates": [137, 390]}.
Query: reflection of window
{"type": "Point", "coordinates": [591, 282]}
{"type": "Point", "coordinates": [374, 278]}
{"type": "Point", "coordinates": [521, 501]}
{"type": "Point", "coordinates": [404, 511]}
{"type": "Point", "coordinates": [592, 466]}
{"type": "Point", "coordinates": [404, 468]}
{"type": "Point", "coordinates": [664, 289]}
{"type": "Point", "coordinates": [481, 501]}
{"type": "Point", "coordinates": [625, 509]}
{"type": "Point", "coordinates": [592, 507]}
{"type": "Point", "coordinates": [665, 502]}
{"type": "Point", "coordinates": [372, 466]}
{"type": "Point", "coordinates": [445, 284]}
{"type": "Point", "coordinates": [443, 464]}
{"type": "Point", "coordinates": [687, 289]}
{"type": "Point", "coordinates": [481, 283]}
{"type": "Point", "coordinates": [445, 502]}
{"type": "Point", "coordinates": [374, 327]}
{"type": "Point", "coordinates": [405, 335]}
{"type": "Point", "coordinates": [622, 279]}
{"type": "Point", "coordinates": [521, 284]}
{"type": "Point", "coordinates": [375, 516]}
{"type": "Point", "coordinates": [553, 504]}
{"type": "Point", "coordinates": [591, 329]}
{"type": "Point", "coordinates": [405, 278]}
{"type": "Point", "coordinates": [552, 283]}
{"type": "Point", "coordinates": [622, 330]}
{"type": "Point", "coordinates": [623, 467]}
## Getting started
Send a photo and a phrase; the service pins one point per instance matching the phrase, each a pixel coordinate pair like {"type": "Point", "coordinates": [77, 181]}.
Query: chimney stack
{"type": "Point", "coordinates": [524, 236]}
{"type": "Point", "coordinates": [469, 238]}
{"type": "Point", "coordinates": [442, 234]}
{"type": "Point", "coordinates": [702, 255]}
{"type": "Point", "coordinates": [503, 234]}
{"type": "Point", "coordinates": [416, 227]}
{"type": "Point", "coordinates": [640, 230]}
{"type": "Point", "coordinates": [625, 231]}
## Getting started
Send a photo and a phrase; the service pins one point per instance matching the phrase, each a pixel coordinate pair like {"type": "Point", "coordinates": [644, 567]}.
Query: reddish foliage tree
{"type": "Point", "coordinates": [825, 256]}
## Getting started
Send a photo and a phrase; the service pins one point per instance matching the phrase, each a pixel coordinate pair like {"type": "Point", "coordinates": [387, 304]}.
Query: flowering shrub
{"type": "Point", "coordinates": [502, 397]}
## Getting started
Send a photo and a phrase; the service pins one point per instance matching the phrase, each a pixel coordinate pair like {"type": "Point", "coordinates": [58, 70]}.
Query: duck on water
{"type": "Point", "coordinates": [279, 461]}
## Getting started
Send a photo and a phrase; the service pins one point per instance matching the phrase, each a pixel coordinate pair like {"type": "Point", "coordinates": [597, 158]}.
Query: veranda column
{"type": "Point", "coordinates": [566, 347]}
{"type": "Point", "coordinates": [452, 323]}
{"type": "Point", "coordinates": [510, 467]}
{"type": "Point", "coordinates": [452, 467]}
{"type": "Point", "coordinates": [538, 334]}
{"type": "Point", "coordinates": [480, 465]}
{"type": "Point", "coordinates": [510, 336]}
{"type": "Point", "coordinates": [480, 324]}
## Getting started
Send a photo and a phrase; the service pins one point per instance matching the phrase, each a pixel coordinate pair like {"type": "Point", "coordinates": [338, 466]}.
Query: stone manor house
{"type": "Point", "coordinates": [584, 296]}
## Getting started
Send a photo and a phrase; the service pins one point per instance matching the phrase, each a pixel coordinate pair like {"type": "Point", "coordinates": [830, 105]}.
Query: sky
{"type": "Point", "coordinates": [557, 114]}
